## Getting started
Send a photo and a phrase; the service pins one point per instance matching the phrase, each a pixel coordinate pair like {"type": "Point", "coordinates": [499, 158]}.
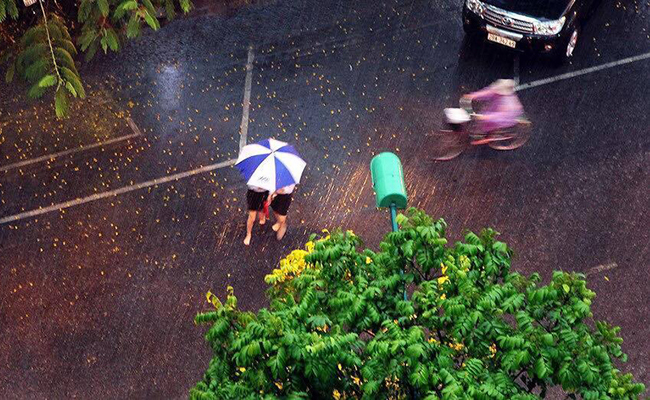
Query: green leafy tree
{"type": "Point", "coordinates": [339, 326]}
{"type": "Point", "coordinates": [8, 8]}
{"type": "Point", "coordinates": [44, 56]}
{"type": "Point", "coordinates": [107, 23]}
{"type": "Point", "coordinates": [45, 60]}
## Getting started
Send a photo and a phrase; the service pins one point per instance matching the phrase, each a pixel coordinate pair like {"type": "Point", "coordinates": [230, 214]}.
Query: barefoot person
{"type": "Point", "coordinates": [280, 205]}
{"type": "Point", "coordinates": [255, 198]}
{"type": "Point", "coordinates": [266, 166]}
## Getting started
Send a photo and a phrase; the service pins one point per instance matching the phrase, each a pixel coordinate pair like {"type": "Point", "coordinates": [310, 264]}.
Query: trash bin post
{"type": "Point", "coordinates": [388, 182]}
{"type": "Point", "coordinates": [393, 217]}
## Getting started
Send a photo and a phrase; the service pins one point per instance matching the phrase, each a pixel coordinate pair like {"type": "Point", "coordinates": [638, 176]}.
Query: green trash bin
{"type": "Point", "coordinates": [388, 180]}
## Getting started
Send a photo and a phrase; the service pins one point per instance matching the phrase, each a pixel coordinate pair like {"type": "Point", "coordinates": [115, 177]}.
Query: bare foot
{"type": "Point", "coordinates": [276, 226]}
{"type": "Point", "coordinates": [247, 240]}
{"type": "Point", "coordinates": [281, 232]}
{"type": "Point", "coordinates": [262, 221]}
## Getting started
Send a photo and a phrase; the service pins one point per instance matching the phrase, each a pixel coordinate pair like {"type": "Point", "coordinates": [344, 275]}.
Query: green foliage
{"type": "Point", "coordinates": [47, 81]}
{"type": "Point", "coordinates": [105, 25]}
{"type": "Point", "coordinates": [339, 326]}
{"type": "Point", "coordinates": [8, 8]}
{"type": "Point", "coordinates": [44, 59]}
{"type": "Point", "coordinates": [61, 102]}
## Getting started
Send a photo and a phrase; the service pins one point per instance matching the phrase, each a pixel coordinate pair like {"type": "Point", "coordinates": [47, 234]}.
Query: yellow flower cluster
{"type": "Point", "coordinates": [456, 346]}
{"type": "Point", "coordinates": [444, 278]}
{"type": "Point", "coordinates": [294, 264]}
{"type": "Point", "coordinates": [212, 299]}
{"type": "Point", "coordinates": [290, 266]}
{"type": "Point", "coordinates": [493, 350]}
{"type": "Point", "coordinates": [392, 383]}
{"type": "Point", "coordinates": [336, 395]}
{"type": "Point", "coordinates": [441, 280]}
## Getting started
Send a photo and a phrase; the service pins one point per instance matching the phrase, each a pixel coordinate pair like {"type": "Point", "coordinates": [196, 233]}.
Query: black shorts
{"type": "Point", "coordinates": [281, 203]}
{"type": "Point", "coordinates": [255, 200]}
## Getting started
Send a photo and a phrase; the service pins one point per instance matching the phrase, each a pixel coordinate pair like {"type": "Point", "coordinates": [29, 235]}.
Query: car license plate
{"type": "Point", "coordinates": [501, 40]}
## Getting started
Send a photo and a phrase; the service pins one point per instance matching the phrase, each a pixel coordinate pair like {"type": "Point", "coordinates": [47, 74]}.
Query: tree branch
{"type": "Point", "coordinates": [520, 372]}
{"type": "Point", "coordinates": [49, 41]}
{"type": "Point", "coordinates": [369, 333]}
{"type": "Point", "coordinates": [424, 278]}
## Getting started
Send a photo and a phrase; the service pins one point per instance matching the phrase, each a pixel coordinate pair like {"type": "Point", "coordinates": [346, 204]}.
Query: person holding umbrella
{"type": "Point", "coordinates": [268, 167]}
{"type": "Point", "coordinates": [281, 200]}
{"type": "Point", "coordinates": [255, 200]}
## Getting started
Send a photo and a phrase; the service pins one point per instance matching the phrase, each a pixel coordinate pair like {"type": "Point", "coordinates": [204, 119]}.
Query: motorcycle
{"type": "Point", "coordinates": [462, 129]}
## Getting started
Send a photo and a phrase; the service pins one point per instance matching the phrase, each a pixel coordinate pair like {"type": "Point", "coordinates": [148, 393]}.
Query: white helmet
{"type": "Point", "coordinates": [504, 87]}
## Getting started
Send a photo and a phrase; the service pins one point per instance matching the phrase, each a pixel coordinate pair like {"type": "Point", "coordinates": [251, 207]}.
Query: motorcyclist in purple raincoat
{"type": "Point", "coordinates": [502, 109]}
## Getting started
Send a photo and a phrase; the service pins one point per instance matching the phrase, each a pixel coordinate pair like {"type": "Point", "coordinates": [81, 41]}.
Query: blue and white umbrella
{"type": "Point", "coordinates": [270, 164]}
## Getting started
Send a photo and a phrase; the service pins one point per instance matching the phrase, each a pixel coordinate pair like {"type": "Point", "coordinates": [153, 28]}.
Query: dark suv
{"type": "Point", "coordinates": [543, 26]}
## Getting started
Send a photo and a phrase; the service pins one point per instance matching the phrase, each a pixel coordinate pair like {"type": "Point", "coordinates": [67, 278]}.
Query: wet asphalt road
{"type": "Point", "coordinates": [97, 300]}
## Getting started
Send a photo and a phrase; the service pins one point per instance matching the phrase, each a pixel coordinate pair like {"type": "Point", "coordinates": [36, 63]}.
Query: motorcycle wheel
{"type": "Point", "coordinates": [516, 137]}
{"type": "Point", "coordinates": [447, 144]}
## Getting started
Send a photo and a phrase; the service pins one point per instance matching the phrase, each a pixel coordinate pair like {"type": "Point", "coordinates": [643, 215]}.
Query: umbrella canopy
{"type": "Point", "coordinates": [270, 164]}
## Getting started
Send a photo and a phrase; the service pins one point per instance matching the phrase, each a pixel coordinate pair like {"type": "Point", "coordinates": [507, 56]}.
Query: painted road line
{"type": "Point", "coordinates": [111, 193]}
{"type": "Point", "coordinates": [133, 126]}
{"type": "Point", "coordinates": [70, 151]}
{"type": "Point", "coordinates": [243, 128]}
{"type": "Point", "coordinates": [580, 72]}
{"type": "Point", "coordinates": [601, 268]}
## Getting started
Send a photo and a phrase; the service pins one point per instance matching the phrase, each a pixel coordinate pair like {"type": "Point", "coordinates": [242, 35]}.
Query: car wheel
{"type": "Point", "coordinates": [565, 53]}
{"type": "Point", "coordinates": [571, 46]}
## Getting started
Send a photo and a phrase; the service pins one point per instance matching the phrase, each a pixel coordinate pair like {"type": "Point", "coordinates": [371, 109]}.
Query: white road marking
{"type": "Point", "coordinates": [580, 72]}
{"type": "Point", "coordinates": [601, 268]}
{"type": "Point", "coordinates": [75, 150]}
{"type": "Point", "coordinates": [133, 126]}
{"type": "Point", "coordinates": [111, 193]}
{"type": "Point", "coordinates": [243, 128]}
